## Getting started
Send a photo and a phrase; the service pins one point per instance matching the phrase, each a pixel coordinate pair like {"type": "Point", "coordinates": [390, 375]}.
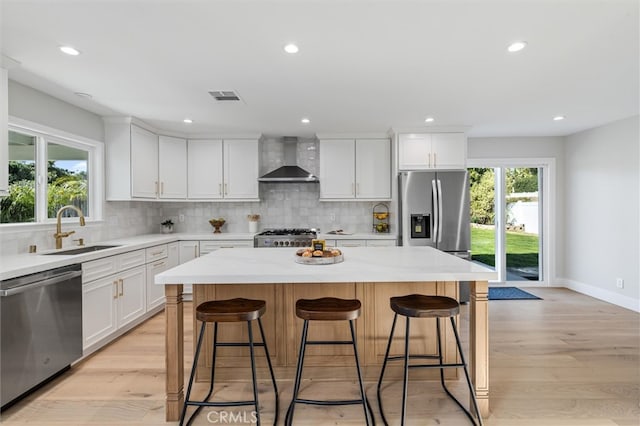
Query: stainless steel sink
{"type": "Point", "coordinates": [80, 250]}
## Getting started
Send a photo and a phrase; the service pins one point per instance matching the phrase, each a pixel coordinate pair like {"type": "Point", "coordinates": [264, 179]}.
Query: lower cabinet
{"type": "Point", "coordinates": [111, 303]}
{"type": "Point", "coordinates": [155, 293]}
{"type": "Point", "coordinates": [188, 250]}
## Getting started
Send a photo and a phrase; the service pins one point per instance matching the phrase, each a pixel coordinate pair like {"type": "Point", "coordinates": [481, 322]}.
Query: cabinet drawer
{"type": "Point", "coordinates": [99, 268]}
{"type": "Point", "coordinates": [156, 253]}
{"type": "Point", "coordinates": [209, 246]}
{"type": "Point", "coordinates": [131, 259]}
{"type": "Point", "coordinates": [381, 243]}
{"type": "Point", "coordinates": [350, 243]}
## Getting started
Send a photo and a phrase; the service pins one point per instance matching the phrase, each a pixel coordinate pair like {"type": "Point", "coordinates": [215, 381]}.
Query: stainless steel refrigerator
{"type": "Point", "coordinates": [434, 211]}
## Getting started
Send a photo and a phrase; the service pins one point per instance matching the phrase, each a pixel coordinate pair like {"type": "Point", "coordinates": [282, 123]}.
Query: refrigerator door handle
{"type": "Point", "coordinates": [436, 211]}
{"type": "Point", "coordinates": [439, 211]}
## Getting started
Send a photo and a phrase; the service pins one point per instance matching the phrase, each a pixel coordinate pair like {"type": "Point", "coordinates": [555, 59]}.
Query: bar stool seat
{"type": "Point", "coordinates": [229, 311]}
{"type": "Point", "coordinates": [421, 306]}
{"type": "Point", "coordinates": [328, 309]}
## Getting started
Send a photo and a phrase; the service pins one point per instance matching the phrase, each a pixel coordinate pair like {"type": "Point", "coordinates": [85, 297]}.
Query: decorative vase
{"type": "Point", "coordinates": [167, 229]}
{"type": "Point", "coordinates": [253, 226]}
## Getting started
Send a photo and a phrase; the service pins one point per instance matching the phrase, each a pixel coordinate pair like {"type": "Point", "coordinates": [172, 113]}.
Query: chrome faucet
{"type": "Point", "coordinates": [59, 235]}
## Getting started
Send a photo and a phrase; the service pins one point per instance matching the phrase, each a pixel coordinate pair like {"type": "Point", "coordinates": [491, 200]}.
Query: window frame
{"type": "Point", "coordinates": [95, 169]}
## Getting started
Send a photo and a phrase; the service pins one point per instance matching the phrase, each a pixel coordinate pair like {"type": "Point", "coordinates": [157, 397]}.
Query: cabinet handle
{"type": "Point", "coordinates": [155, 253]}
{"type": "Point", "coordinates": [158, 264]}
{"type": "Point", "coordinates": [115, 289]}
{"type": "Point", "coordinates": [226, 189]}
{"type": "Point", "coordinates": [429, 159]}
{"type": "Point", "coordinates": [220, 188]}
{"type": "Point", "coordinates": [161, 188]}
{"type": "Point", "coordinates": [353, 189]}
{"type": "Point", "coordinates": [156, 183]}
{"type": "Point", "coordinates": [434, 160]}
{"type": "Point", "coordinates": [195, 251]}
{"type": "Point", "coordinates": [121, 282]}
{"type": "Point", "coordinates": [357, 188]}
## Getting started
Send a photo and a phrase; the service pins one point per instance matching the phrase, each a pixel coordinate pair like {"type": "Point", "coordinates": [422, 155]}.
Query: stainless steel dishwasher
{"type": "Point", "coordinates": [41, 329]}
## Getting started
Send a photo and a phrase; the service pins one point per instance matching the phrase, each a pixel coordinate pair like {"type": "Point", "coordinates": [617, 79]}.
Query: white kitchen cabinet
{"type": "Point", "coordinates": [241, 169]}
{"type": "Point", "coordinates": [144, 163]}
{"type": "Point", "coordinates": [207, 246]}
{"type": "Point", "coordinates": [223, 169]}
{"type": "Point", "coordinates": [172, 168]}
{"type": "Point", "coordinates": [159, 259]}
{"type": "Point", "coordinates": [4, 133]}
{"type": "Point", "coordinates": [131, 301]}
{"type": "Point", "coordinates": [427, 151]}
{"type": "Point", "coordinates": [204, 169]}
{"type": "Point", "coordinates": [351, 243]}
{"type": "Point", "coordinates": [355, 169]}
{"type": "Point", "coordinates": [381, 243]}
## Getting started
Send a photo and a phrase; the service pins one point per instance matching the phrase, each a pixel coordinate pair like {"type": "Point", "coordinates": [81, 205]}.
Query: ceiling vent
{"type": "Point", "coordinates": [224, 95]}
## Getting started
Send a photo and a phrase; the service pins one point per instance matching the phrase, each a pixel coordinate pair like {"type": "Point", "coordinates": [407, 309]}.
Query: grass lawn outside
{"type": "Point", "coordinates": [522, 248]}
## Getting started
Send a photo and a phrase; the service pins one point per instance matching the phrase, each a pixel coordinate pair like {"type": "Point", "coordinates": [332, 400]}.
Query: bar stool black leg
{"type": "Point", "coordinates": [296, 387]}
{"type": "Point", "coordinates": [273, 377]}
{"type": "Point", "coordinates": [384, 366]}
{"type": "Point", "coordinates": [253, 373]}
{"type": "Point", "coordinates": [466, 373]}
{"type": "Point", "coordinates": [406, 373]}
{"type": "Point", "coordinates": [365, 403]}
{"type": "Point", "coordinates": [193, 372]}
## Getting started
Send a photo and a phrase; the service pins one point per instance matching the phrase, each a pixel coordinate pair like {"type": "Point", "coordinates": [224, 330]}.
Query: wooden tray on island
{"type": "Point", "coordinates": [329, 257]}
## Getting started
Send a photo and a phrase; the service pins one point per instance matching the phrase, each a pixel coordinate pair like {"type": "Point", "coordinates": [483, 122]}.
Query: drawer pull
{"type": "Point", "coordinates": [115, 289]}
{"type": "Point", "coordinates": [158, 264]}
{"type": "Point", "coordinates": [155, 253]}
{"type": "Point", "coordinates": [121, 282]}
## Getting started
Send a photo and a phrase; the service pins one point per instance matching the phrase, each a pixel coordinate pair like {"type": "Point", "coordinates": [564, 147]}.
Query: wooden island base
{"type": "Point", "coordinates": [283, 330]}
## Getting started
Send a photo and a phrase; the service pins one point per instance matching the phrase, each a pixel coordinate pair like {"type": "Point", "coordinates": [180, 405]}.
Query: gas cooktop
{"type": "Point", "coordinates": [289, 231]}
{"type": "Point", "coordinates": [286, 237]}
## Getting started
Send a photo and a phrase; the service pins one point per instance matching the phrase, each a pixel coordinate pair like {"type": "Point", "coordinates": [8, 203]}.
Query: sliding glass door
{"type": "Point", "coordinates": [508, 220]}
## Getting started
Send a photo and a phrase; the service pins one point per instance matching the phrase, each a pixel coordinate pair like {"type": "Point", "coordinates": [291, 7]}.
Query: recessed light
{"type": "Point", "coordinates": [291, 48]}
{"type": "Point", "coordinates": [429, 120]}
{"type": "Point", "coordinates": [305, 121]}
{"type": "Point", "coordinates": [558, 118]}
{"type": "Point", "coordinates": [187, 121]}
{"type": "Point", "coordinates": [517, 46]}
{"type": "Point", "coordinates": [83, 95]}
{"type": "Point", "coordinates": [70, 50]}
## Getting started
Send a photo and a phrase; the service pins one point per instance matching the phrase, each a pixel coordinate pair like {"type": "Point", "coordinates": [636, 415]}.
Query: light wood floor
{"type": "Point", "coordinates": [568, 360]}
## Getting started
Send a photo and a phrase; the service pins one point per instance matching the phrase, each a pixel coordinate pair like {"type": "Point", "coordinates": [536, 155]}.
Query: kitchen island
{"type": "Point", "coordinates": [369, 274]}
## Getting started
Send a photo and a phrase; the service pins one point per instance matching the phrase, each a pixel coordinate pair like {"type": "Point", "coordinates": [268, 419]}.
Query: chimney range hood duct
{"type": "Point", "coordinates": [290, 172]}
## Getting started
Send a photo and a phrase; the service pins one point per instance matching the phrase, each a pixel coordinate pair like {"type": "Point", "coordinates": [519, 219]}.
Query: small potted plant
{"type": "Point", "coordinates": [167, 226]}
{"type": "Point", "coordinates": [253, 222]}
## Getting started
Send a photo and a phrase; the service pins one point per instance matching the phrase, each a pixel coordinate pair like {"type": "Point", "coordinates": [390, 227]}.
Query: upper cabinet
{"type": "Point", "coordinates": [4, 133]}
{"type": "Point", "coordinates": [223, 169]}
{"type": "Point", "coordinates": [144, 166]}
{"type": "Point", "coordinates": [424, 151]}
{"type": "Point", "coordinates": [355, 169]}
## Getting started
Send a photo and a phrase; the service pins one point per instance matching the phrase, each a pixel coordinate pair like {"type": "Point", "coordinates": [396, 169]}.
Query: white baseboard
{"type": "Point", "coordinates": [602, 294]}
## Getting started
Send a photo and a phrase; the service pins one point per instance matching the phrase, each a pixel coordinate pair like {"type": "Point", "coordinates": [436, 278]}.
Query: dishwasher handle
{"type": "Point", "coordinates": [50, 281]}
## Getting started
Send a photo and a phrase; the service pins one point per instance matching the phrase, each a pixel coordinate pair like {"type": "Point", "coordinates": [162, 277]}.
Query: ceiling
{"type": "Point", "coordinates": [363, 65]}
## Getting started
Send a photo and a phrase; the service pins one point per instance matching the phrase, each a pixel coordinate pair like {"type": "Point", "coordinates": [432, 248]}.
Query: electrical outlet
{"type": "Point", "coordinates": [332, 217]}
{"type": "Point", "coordinates": [181, 218]}
{"type": "Point", "coordinates": [619, 283]}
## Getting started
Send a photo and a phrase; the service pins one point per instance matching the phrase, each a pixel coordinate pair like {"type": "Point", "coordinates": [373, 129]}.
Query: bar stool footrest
{"type": "Point", "coordinates": [336, 402]}
{"type": "Point", "coordinates": [220, 404]}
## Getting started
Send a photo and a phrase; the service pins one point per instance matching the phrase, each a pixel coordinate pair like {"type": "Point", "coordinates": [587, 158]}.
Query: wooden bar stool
{"type": "Point", "coordinates": [327, 309]}
{"type": "Point", "coordinates": [420, 306]}
{"type": "Point", "coordinates": [232, 310]}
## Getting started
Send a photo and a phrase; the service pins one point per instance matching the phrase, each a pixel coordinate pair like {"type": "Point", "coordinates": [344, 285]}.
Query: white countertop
{"type": "Point", "coordinates": [30, 263]}
{"type": "Point", "coordinates": [361, 264]}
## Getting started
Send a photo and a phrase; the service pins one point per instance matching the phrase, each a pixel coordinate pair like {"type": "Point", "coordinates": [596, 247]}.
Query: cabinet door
{"type": "Point", "coordinates": [337, 169]}
{"type": "Point", "coordinates": [173, 254]}
{"type": "Point", "coordinates": [131, 295]}
{"type": "Point", "coordinates": [449, 150]}
{"type": "Point", "coordinates": [172, 167]}
{"type": "Point", "coordinates": [155, 292]}
{"type": "Point", "coordinates": [414, 151]}
{"type": "Point", "coordinates": [381, 243]}
{"type": "Point", "coordinates": [350, 243]}
{"type": "Point", "coordinates": [144, 163]}
{"type": "Point", "coordinates": [204, 169]}
{"type": "Point", "coordinates": [4, 138]}
{"type": "Point", "coordinates": [373, 169]}
{"type": "Point", "coordinates": [99, 310]}
{"type": "Point", "coordinates": [241, 169]}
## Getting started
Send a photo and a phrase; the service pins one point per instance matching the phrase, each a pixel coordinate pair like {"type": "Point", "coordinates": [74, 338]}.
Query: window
{"type": "Point", "coordinates": [48, 171]}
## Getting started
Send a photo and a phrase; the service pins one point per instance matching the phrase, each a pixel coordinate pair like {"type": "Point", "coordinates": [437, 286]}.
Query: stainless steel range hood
{"type": "Point", "coordinates": [290, 172]}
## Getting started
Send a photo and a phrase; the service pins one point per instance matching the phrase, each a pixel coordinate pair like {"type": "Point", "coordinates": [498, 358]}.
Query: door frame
{"type": "Point", "coordinates": [548, 209]}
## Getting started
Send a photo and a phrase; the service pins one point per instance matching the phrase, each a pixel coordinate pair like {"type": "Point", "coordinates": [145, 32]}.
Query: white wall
{"type": "Point", "coordinates": [38, 107]}
{"type": "Point", "coordinates": [601, 229]}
